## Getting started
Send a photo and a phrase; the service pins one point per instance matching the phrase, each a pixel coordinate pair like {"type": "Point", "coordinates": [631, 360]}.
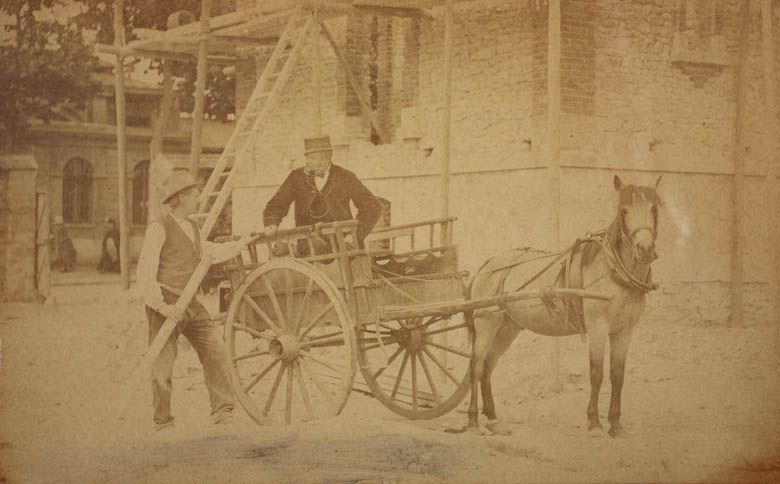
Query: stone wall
{"type": "Point", "coordinates": [17, 236]}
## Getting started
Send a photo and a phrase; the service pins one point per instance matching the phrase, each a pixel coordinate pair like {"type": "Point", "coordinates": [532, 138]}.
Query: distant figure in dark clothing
{"type": "Point", "coordinates": [109, 256]}
{"type": "Point", "coordinates": [65, 252]}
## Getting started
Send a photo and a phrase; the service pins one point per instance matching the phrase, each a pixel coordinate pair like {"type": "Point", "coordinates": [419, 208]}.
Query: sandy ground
{"type": "Point", "coordinates": [700, 404]}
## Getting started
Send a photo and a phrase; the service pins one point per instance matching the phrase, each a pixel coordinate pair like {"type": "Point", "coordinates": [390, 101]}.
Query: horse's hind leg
{"type": "Point", "coordinates": [597, 340]}
{"type": "Point", "coordinates": [502, 341]}
{"type": "Point", "coordinates": [486, 325]}
{"type": "Point", "coordinates": [618, 349]}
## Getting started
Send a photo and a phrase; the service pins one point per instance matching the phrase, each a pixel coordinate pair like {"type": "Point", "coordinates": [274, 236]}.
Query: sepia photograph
{"type": "Point", "coordinates": [389, 241]}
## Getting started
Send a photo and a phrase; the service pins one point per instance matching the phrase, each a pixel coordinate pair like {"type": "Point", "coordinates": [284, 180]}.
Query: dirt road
{"type": "Point", "coordinates": [700, 404]}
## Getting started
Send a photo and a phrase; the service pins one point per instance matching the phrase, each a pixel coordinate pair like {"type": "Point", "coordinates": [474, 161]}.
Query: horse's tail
{"type": "Point", "coordinates": [469, 315]}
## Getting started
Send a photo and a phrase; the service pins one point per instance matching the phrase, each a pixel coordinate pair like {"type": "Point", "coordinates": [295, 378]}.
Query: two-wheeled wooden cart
{"type": "Point", "coordinates": [298, 327]}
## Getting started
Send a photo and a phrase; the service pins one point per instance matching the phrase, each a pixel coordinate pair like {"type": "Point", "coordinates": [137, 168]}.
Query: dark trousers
{"type": "Point", "coordinates": [203, 335]}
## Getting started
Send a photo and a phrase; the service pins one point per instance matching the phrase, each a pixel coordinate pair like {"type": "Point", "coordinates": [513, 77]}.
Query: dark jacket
{"type": "Point", "coordinates": [332, 204]}
{"type": "Point", "coordinates": [108, 263]}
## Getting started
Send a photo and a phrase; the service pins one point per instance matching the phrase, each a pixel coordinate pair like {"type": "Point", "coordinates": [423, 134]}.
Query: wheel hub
{"type": "Point", "coordinates": [285, 347]}
{"type": "Point", "coordinates": [411, 339]}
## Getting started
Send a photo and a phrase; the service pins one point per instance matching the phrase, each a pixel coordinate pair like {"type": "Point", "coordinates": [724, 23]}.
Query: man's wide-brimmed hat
{"type": "Point", "coordinates": [176, 183]}
{"type": "Point", "coordinates": [316, 144]}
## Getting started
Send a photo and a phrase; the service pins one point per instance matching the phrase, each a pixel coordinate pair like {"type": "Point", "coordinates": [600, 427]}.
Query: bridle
{"type": "Point", "coordinates": [627, 239]}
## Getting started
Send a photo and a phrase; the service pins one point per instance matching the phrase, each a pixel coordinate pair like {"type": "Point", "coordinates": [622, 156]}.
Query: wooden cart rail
{"type": "Point", "coordinates": [390, 313]}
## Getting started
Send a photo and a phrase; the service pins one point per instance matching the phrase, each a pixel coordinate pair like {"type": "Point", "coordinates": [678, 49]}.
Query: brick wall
{"type": "Point", "coordinates": [578, 56]}
{"type": "Point", "coordinates": [630, 106]}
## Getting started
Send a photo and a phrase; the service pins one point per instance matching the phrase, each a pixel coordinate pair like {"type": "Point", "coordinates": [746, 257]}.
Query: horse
{"type": "Point", "coordinates": [614, 263]}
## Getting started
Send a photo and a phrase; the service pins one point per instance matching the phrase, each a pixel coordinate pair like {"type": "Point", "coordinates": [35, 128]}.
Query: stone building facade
{"type": "Point", "coordinates": [77, 162]}
{"type": "Point", "coordinates": [647, 90]}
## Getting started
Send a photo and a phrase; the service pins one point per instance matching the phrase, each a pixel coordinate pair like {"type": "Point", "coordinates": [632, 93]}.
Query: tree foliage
{"type": "Point", "coordinates": [44, 61]}
{"type": "Point", "coordinates": [153, 14]}
{"type": "Point", "coordinates": [47, 60]}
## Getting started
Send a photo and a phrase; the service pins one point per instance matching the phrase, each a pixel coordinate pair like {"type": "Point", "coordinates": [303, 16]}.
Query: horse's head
{"type": "Point", "coordinates": [637, 219]}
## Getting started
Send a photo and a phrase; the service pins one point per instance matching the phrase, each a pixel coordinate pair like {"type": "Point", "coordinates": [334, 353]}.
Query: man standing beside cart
{"type": "Point", "coordinates": [322, 192]}
{"type": "Point", "coordinates": [171, 251]}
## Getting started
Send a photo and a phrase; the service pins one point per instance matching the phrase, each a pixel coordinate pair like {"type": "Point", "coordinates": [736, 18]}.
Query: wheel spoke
{"type": "Point", "coordinates": [444, 330]}
{"type": "Point", "coordinates": [288, 401]}
{"type": "Point", "coordinates": [414, 381]}
{"type": "Point", "coordinates": [442, 367]}
{"type": "Point", "coordinates": [304, 392]}
{"type": "Point", "coordinates": [269, 289]}
{"type": "Point", "coordinates": [319, 338]}
{"type": "Point", "coordinates": [252, 331]}
{"type": "Point", "coordinates": [302, 309]}
{"type": "Point", "coordinates": [320, 386]}
{"type": "Point", "coordinates": [400, 376]}
{"type": "Point", "coordinates": [319, 360]}
{"type": "Point", "coordinates": [373, 331]}
{"type": "Point", "coordinates": [427, 372]}
{"type": "Point", "coordinates": [326, 343]}
{"type": "Point", "coordinates": [389, 360]}
{"type": "Point", "coordinates": [289, 288]}
{"type": "Point", "coordinates": [250, 355]}
{"type": "Point", "coordinates": [377, 345]}
{"type": "Point", "coordinates": [447, 348]}
{"type": "Point", "coordinates": [434, 319]}
{"type": "Point", "coordinates": [273, 390]}
{"type": "Point", "coordinates": [260, 376]}
{"type": "Point", "coordinates": [257, 309]}
{"type": "Point", "coordinates": [314, 321]}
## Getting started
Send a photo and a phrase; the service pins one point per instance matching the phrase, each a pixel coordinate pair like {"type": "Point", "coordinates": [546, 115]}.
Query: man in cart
{"type": "Point", "coordinates": [322, 192]}
{"type": "Point", "coordinates": [171, 250]}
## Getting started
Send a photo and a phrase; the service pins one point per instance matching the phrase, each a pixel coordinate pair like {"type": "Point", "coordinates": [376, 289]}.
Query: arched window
{"type": "Point", "coordinates": [140, 192]}
{"type": "Point", "coordinates": [77, 191]}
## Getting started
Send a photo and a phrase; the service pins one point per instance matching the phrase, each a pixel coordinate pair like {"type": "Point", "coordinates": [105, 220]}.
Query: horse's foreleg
{"type": "Point", "coordinates": [485, 328]}
{"type": "Point", "coordinates": [618, 349]}
{"type": "Point", "coordinates": [597, 340]}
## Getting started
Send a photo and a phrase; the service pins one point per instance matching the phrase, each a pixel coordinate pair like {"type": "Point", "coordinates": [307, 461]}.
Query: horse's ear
{"type": "Point", "coordinates": [618, 183]}
{"type": "Point", "coordinates": [658, 181]}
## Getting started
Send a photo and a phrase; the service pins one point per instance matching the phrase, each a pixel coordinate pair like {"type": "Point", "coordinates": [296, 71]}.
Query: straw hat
{"type": "Point", "coordinates": [316, 144]}
{"type": "Point", "coordinates": [177, 182]}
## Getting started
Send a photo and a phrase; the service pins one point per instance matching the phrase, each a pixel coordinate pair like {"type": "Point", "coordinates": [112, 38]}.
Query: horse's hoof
{"type": "Point", "coordinates": [496, 427]}
{"type": "Point", "coordinates": [475, 430]}
{"type": "Point", "coordinates": [617, 432]}
{"type": "Point", "coordinates": [595, 425]}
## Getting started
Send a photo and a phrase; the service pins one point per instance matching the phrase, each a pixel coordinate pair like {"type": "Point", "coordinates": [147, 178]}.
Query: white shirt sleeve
{"type": "Point", "coordinates": [221, 252]}
{"type": "Point", "coordinates": [149, 263]}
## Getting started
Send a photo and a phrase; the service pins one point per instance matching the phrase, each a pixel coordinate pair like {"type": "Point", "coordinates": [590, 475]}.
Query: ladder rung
{"type": "Point", "coordinates": [214, 194]}
{"type": "Point", "coordinates": [200, 215]}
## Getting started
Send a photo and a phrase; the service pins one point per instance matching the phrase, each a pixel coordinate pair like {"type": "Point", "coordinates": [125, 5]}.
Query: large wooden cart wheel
{"type": "Point", "coordinates": [418, 368]}
{"type": "Point", "coordinates": [288, 322]}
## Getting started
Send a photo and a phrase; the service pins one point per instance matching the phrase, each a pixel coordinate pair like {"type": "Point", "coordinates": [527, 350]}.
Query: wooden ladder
{"type": "Point", "coordinates": [220, 183]}
{"type": "Point", "coordinates": [265, 95]}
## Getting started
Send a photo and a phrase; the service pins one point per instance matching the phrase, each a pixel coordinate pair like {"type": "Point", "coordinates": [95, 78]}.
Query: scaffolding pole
{"type": "Point", "coordinates": [738, 209]}
{"type": "Point", "coordinates": [773, 169]}
{"type": "Point", "coordinates": [200, 88]}
{"type": "Point", "coordinates": [158, 138]}
{"type": "Point", "coordinates": [121, 142]}
{"type": "Point", "coordinates": [771, 133]}
{"type": "Point", "coordinates": [554, 153]}
{"type": "Point", "coordinates": [447, 112]}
